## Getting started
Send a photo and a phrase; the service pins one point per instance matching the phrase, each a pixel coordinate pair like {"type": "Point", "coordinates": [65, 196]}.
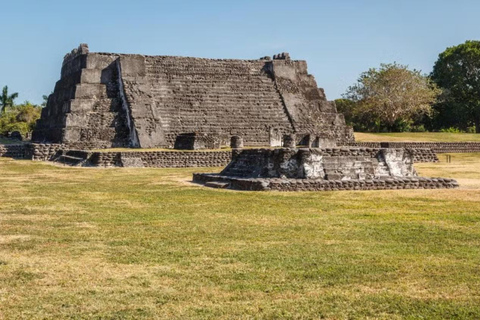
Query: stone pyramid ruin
{"type": "Point", "coordinates": [130, 100]}
{"type": "Point", "coordinates": [106, 100]}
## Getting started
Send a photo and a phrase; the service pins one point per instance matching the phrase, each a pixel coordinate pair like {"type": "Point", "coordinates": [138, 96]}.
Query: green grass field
{"type": "Point", "coordinates": [146, 243]}
{"type": "Point", "coordinates": [417, 137]}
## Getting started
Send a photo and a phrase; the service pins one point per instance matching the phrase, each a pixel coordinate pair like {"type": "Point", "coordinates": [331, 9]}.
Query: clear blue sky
{"type": "Point", "coordinates": [338, 38]}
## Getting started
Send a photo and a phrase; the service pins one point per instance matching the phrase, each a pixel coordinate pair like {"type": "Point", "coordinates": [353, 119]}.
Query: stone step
{"type": "Point", "coordinates": [90, 91]}
{"type": "Point", "coordinates": [74, 134]}
{"type": "Point", "coordinates": [91, 76]}
{"type": "Point", "coordinates": [91, 118]}
{"type": "Point", "coordinates": [217, 184]}
{"type": "Point", "coordinates": [87, 104]}
{"type": "Point", "coordinates": [70, 160]}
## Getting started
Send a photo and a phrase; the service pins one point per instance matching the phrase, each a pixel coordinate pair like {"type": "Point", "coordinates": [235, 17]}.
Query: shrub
{"type": "Point", "coordinates": [20, 118]}
{"type": "Point", "coordinates": [451, 130]}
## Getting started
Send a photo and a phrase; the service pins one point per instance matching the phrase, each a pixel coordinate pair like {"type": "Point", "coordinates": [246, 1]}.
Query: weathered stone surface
{"type": "Point", "coordinates": [236, 142]}
{"type": "Point", "coordinates": [268, 184]}
{"type": "Point", "coordinates": [131, 162]}
{"type": "Point", "coordinates": [289, 141]}
{"type": "Point", "coordinates": [196, 141]}
{"type": "Point", "coordinates": [329, 164]}
{"type": "Point", "coordinates": [109, 100]}
{"type": "Point", "coordinates": [307, 169]}
{"type": "Point", "coordinates": [160, 159]}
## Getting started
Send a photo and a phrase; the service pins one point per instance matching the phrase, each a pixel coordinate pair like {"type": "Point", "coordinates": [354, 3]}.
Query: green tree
{"type": "Point", "coordinates": [45, 100]}
{"type": "Point", "coordinates": [392, 96]}
{"type": "Point", "coordinates": [457, 72]}
{"type": "Point", "coordinates": [347, 108]}
{"type": "Point", "coordinates": [7, 100]}
{"type": "Point", "coordinates": [21, 117]}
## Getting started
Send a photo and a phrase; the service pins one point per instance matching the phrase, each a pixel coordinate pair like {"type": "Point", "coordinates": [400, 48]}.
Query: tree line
{"type": "Point", "coordinates": [17, 117]}
{"type": "Point", "coordinates": [393, 98]}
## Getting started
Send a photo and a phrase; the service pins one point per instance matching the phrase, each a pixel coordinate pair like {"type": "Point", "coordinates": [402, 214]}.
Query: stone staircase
{"type": "Point", "coordinates": [85, 108]}
{"type": "Point", "coordinates": [216, 96]}
{"type": "Point", "coordinates": [95, 114]}
{"type": "Point", "coordinates": [72, 157]}
{"type": "Point", "coordinates": [246, 165]}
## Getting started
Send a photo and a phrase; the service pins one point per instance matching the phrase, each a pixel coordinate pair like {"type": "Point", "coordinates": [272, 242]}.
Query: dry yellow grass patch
{"type": "Point", "coordinates": [145, 243]}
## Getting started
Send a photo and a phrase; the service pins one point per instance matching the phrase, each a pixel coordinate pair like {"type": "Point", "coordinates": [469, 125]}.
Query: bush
{"type": "Point", "coordinates": [471, 129]}
{"type": "Point", "coordinates": [419, 128]}
{"type": "Point", "coordinates": [20, 118]}
{"type": "Point", "coordinates": [451, 130]}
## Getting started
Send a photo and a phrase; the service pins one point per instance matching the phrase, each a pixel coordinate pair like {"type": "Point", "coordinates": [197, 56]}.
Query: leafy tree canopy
{"type": "Point", "coordinates": [392, 95]}
{"type": "Point", "coordinates": [7, 100]}
{"type": "Point", "coordinates": [21, 117]}
{"type": "Point", "coordinates": [457, 72]}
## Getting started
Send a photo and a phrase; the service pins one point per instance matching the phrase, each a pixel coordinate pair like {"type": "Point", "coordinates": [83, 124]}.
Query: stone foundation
{"type": "Point", "coordinates": [424, 155]}
{"type": "Point", "coordinates": [42, 151]}
{"type": "Point", "coordinates": [160, 159]}
{"type": "Point", "coordinates": [16, 151]}
{"type": "Point", "coordinates": [264, 184]}
{"type": "Point", "coordinates": [436, 147]}
{"type": "Point", "coordinates": [290, 169]}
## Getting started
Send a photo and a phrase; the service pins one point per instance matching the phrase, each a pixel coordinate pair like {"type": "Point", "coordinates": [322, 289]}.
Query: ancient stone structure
{"type": "Point", "coordinates": [160, 159]}
{"type": "Point", "coordinates": [117, 100]}
{"type": "Point", "coordinates": [236, 142]}
{"type": "Point", "coordinates": [197, 141]}
{"type": "Point", "coordinates": [126, 100]}
{"type": "Point", "coordinates": [436, 147]}
{"type": "Point", "coordinates": [293, 169]}
{"type": "Point", "coordinates": [16, 151]}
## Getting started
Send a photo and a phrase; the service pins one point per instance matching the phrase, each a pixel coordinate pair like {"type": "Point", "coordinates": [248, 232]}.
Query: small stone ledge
{"type": "Point", "coordinates": [277, 184]}
{"type": "Point", "coordinates": [161, 159]}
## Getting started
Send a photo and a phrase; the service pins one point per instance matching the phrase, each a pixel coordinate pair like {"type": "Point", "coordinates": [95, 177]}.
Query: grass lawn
{"type": "Point", "coordinates": [417, 137]}
{"type": "Point", "coordinates": [145, 243]}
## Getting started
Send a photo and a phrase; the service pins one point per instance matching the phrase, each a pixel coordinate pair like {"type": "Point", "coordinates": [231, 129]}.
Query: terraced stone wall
{"type": "Point", "coordinates": [161, 159]}
{"type": "Point", "coordinates": [85, 107]}
{"type": "Point", "coordinates": [122, 100]}
{"type": "Point", "coordinates": [169, 96]}
{"type": "Point", "coordinates": [437, 147]}
{"type": "Point", "coordinates": [16, 151]}
{"type": "Point", "coordinates": [43, 151]}
{"type": "Point", "coordinates": [260, 184]}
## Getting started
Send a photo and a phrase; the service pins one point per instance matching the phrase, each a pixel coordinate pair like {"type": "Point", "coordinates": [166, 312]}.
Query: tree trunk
{"type": "Point", "coordinates": [477, 124]}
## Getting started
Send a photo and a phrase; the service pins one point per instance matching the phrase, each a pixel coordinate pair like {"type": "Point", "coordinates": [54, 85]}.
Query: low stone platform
{"type": "Point", "coordinates": [315, 169]}
{"type": "Point", "coordinates": [278, 184]}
